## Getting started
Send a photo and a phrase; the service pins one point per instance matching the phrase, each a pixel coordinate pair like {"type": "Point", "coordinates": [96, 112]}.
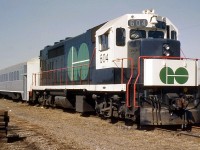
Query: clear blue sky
{"type": "Point", "coordinates": [27, 26]}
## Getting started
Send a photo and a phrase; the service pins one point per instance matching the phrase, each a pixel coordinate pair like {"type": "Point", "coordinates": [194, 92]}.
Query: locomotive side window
{"type": "Point", "coordinates": [51, 65]}
{"type": "Point", "coordinates": [156, 34]}
{"type": "Point", "coordinates": [58, 51]}
{"type": "Point", "coordinates": [136, 34]}
{"type": "Point", "coordinates": [173, 35]}
{"type": "Point", "coordinates": [120, 36]}
{"type": "Point", "coordinates": [103, 41]}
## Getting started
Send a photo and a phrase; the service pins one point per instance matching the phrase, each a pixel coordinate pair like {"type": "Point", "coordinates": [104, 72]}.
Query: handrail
{"type": "Point", "coordinates": [53, 75]}
{"type": "Point", "coordinates": [122, 77]}
{"type": "Point", "coordinates": [61, 69]}
{"type": "Point", "coordinates": [128, 104]}
{"type": "Point", "coordinates": [129, 81]}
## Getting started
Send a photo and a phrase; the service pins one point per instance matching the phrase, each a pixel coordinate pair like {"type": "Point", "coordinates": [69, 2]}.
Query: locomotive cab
{"type": "Point", "coordinates": [115, 38]}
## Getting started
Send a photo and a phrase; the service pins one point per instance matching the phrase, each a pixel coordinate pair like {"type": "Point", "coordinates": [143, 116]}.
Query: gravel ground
{"type": "Point", "coordinates": [55, 129]}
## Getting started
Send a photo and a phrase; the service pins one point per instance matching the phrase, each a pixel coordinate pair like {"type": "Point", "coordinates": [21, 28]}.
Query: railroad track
{"type": "Point", "coordinates": [54, 129]}
{"type": "Point", "coordinates": [194, 131]}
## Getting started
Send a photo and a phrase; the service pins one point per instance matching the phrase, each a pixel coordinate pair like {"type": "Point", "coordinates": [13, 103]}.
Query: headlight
{"type": "Point", "coordinates": [166, 50]}
{"type": "Point", "coordinates": [166, 47]}
{"type": "Point", "coordinates": [166, 53]}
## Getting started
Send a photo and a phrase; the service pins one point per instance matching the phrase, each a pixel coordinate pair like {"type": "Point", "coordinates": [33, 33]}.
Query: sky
{"type": "Point", "coordinates": [27, 26]}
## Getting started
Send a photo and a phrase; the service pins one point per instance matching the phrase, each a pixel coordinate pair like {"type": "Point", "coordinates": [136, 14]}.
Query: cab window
{"type": "Point", "coordinates": [120, 36]}
{"type": "Point", "coordinates": [137, 34]}
{"type": "Point", "coordinates": [173, 35]}
{"type": "Point", "coordinates": [103, 42]}
{"type": "Point", "coordinates": [155, 34]}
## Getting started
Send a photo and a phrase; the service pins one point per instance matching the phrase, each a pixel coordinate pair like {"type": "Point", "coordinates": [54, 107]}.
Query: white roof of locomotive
{"type": "Point", "coordinates": [122, 21]}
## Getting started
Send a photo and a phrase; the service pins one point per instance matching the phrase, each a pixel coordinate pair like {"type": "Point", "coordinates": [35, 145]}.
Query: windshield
{"type": "Point", "coordinates": [155, 34]}
{"type": "Point", "coordinates": [136, 34]}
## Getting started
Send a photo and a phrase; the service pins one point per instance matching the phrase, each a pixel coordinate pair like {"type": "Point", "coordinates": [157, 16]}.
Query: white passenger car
{"type": "Point", "coordinates": [16, 80]}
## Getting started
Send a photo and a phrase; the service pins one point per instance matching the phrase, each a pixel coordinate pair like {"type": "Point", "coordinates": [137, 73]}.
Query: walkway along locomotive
{"type": "Point", "coordinates": [129, 67]}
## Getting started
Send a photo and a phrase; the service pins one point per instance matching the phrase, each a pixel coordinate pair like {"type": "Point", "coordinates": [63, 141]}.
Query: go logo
{"type": "Point", "coordinates": [77, 63]}
{"type": "Point", "coordinates": [168, 76]}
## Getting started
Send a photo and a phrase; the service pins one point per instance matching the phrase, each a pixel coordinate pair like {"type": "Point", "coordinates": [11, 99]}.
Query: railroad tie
{"type": "Point", "coordinates": [4, 119]}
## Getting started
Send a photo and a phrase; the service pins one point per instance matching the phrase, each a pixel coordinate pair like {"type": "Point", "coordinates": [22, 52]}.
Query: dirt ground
{"type": "Point", "coordinates": [36, 128]}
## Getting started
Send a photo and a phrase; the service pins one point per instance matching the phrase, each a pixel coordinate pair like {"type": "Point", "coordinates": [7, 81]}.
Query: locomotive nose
{"type": "Point", "coordinates": [154, 47]}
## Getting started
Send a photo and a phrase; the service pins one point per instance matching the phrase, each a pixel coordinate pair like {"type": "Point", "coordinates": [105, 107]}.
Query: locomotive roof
{"type": "Point", "coordinates": [123, 20]}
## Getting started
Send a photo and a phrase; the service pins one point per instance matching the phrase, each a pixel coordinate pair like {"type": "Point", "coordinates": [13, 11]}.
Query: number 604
{"type": "Point", "coordinates": [103, 58]}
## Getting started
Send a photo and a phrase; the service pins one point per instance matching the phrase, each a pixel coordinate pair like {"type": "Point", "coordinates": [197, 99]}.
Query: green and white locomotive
{"type": "Point", "coordinates": [130, 67]}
